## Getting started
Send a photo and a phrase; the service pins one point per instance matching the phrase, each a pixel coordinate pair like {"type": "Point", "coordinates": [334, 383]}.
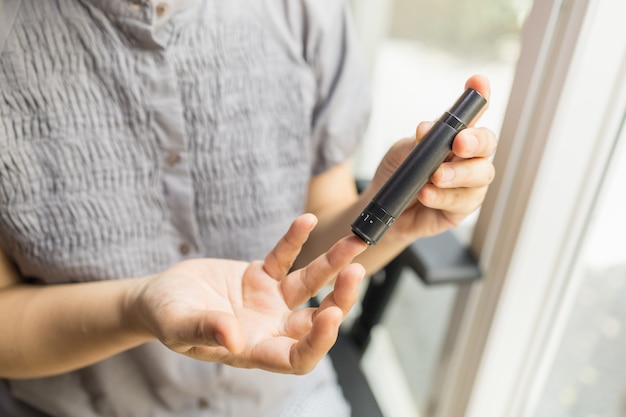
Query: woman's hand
{"type": "Point", "coordinates": [455, 190]}
{"type": "Point", "coordinates": [248, 314]}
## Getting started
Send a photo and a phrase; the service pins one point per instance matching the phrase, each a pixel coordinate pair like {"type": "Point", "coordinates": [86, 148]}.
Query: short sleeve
{"type": "Point", "coordinates": [343, 101]}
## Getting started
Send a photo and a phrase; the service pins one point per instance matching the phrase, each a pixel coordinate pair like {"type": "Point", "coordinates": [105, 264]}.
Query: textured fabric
{"type": "Point", "coordinates": [134, 135]}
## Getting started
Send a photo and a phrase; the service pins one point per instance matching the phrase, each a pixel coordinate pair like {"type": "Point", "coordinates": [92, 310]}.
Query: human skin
{"type": "Point", "coordinates": [239, 313]}
{"type": "Point", "coordinates": [455, 190]}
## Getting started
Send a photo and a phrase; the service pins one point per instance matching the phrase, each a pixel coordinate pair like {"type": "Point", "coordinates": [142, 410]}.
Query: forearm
{"type": "Point", "coordinates": [53, 329]}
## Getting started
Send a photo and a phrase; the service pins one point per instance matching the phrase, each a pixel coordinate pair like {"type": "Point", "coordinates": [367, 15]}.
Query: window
{"type": "Point", "coordinates": [420, 54]}
{"type": "Point", "coordinates": [507, 348]}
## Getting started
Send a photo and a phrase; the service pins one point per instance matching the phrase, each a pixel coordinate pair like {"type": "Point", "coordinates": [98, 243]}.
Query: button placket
{"type": "Point", "coordinates": [172, 158]}
{"type": "Point", "coordinates": [184, 249]}
{"type": "Point", "coordinates": [203, 403]}
{"type": "Point", "coordinates": [161, 9]}
{"type": "Point", "coordinates": [169, 131]}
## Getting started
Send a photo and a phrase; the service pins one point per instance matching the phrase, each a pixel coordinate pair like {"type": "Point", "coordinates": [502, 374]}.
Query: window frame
{"type": "Point", "coordinates": [505, 328]}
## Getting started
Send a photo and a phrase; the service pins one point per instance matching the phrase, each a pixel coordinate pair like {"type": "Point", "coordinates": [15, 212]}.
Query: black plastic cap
{"type": "Point", "coordinates": [468, 106]}
{"type": "Point", "coordinates": [372, 223]}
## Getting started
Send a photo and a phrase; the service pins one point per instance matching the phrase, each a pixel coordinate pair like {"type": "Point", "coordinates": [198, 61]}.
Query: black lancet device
{"type": "Point", "coordinates": [402, 186]}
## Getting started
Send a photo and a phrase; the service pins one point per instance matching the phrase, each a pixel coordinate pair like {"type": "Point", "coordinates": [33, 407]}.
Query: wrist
{"type": "Point", "coordinates": [130, 309]}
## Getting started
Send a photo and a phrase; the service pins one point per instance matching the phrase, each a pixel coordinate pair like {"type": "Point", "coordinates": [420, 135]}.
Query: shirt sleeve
{"type": "Point", "coordinates": [343, 101]}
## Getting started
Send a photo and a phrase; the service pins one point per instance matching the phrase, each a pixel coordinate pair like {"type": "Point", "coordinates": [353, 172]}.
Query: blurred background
{"type": "Point", "coordinates": [420, 52]}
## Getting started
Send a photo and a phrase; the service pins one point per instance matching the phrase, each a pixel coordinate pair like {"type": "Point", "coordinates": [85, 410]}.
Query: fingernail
{"type": "Point", "coordinates": [471, 143]}
{"type": "Point", "coordinates": [447, 174]}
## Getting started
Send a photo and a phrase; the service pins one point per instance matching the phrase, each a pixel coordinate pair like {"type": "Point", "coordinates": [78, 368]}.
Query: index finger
{"type": "Point", "coordinates": [299, 286]}
{"type": "Point", "coordinates": [280, 259]}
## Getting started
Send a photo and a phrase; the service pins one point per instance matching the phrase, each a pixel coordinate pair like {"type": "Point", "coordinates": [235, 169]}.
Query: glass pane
{"type": "Point", "coordinates": [587, 378]}
{"type": "Point", "coordinates": [416, 323]}
{"type": "Point", "coordinates": [420, 66]}
{"type": "Point", "coordinates": [428, 48]}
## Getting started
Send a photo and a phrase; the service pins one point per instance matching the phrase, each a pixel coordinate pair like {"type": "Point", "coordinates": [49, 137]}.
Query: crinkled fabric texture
{"type": "Point", "coordinates": [133, 136]}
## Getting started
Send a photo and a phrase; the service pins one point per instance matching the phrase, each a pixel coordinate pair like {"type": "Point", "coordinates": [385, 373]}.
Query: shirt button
{"type": "Point", "coordinates": [184, 249]}
{"type": "Point", "coordinates": [161, 9]}
{"type": "Point", "coordinates": [203, 403]}
{"type": "Point", "coordinates": [172, 158]}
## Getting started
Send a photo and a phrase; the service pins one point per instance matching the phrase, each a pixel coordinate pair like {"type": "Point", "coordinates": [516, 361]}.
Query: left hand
{"type": "Point", "coordinates": [248, 315]}
{"type": "Point", "coordinates": [456, 189]}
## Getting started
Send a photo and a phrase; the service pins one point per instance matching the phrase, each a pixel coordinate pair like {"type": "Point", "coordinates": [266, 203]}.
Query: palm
{"type": "Point", "coordinates": [246, 314]}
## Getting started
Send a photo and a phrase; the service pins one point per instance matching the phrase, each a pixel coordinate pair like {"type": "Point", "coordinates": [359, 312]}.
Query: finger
{"type": "Point", "coordinates": [346, 289]}
{"type": "Point", "coordinates": [475, 142]}
{"type": "Point", "coordinates": [453, 200]}
{"type": "Point", "coordinates": [304, 283]}
{"type": "Point", "coordinates": [422, 129]}
{"type": "Point", "coordinates": [344, 295]}
{"type": "Point", "coordinates": [299, 323]}
{"type": "Point", "coordinates": [310, 349]}
{"type": "Point", "coordinates": [481, 84]}
{"type": "Point", "coordinates": [206, 329]}
{"type": "Point", "coordinates": [280, 260]}
{"type": "Point", "coordinates": [465, 173]}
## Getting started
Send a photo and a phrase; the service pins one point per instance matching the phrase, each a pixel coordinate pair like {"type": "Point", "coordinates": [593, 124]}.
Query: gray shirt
{"type": "Point", "coordinates": [134, 135]}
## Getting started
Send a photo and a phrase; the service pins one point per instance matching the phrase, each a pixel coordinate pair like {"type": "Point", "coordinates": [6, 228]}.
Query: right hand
{"type": "Point", "coordinates": [455, 190]}
{"type": "Point", "coordinates": [247, 314]}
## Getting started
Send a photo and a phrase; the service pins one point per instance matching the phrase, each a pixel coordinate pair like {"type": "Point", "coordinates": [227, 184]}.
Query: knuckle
{"type": "Point", "coordinates": [428, 195]}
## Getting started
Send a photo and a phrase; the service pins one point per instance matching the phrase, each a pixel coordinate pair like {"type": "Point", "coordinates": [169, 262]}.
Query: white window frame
{"type": "Point", "coordinates": [565, 112]}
